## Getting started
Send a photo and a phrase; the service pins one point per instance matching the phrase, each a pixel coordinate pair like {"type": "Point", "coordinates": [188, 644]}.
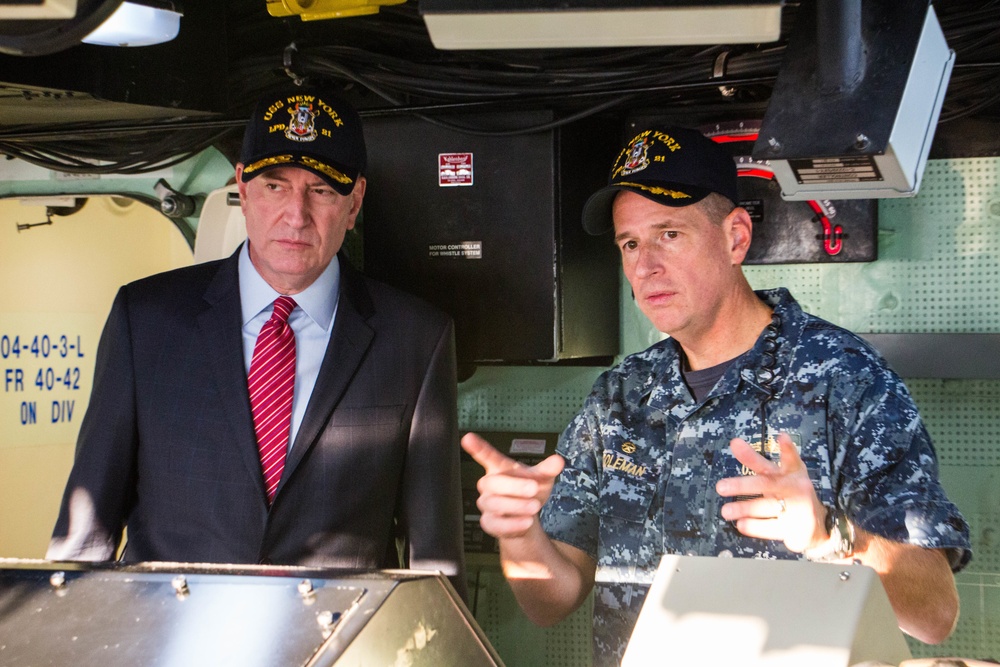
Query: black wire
{"type": "Point", "coordinates": [388, 59]}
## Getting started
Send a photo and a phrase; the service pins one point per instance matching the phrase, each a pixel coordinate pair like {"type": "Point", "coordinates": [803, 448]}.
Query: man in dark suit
{"type": "Point", "coordinates": [327, 468]}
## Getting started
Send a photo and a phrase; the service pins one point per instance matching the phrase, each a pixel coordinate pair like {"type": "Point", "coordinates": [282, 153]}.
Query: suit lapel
{"type": "Point", "coordinates": [221, 327]}
{"type": "Point", "coordinates": [349, 342]}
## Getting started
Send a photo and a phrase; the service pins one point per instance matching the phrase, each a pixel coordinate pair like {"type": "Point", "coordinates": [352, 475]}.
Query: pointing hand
{"type": "Point", "coordinates": [510, 493]}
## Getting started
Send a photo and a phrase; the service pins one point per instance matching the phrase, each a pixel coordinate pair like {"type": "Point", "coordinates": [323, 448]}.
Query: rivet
{"type": "Point", "coordinates": [180, 586]}
{"type": "Point", "coordinates": [306, 591]}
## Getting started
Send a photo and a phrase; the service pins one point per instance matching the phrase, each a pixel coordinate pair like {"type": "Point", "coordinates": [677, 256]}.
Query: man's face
{"type": "Point", "coordinates": [681, 265]}
{"type": "Point", "coordinates": [295, 224]}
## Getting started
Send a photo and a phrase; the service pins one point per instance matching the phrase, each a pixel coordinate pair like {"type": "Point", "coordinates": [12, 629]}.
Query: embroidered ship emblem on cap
{"type": "Point", "coordinates": [637, 159]}
{"type": "Point", "coordinates": [302, 126]}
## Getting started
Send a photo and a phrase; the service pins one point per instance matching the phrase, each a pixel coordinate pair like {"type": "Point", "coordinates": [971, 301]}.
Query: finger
{"type": "Point", "coordinates": [755, 508]}
{"type": "Point", "coordinates": [545, 474]}
{"type": "Point", "coordinates": [549, 469]}
{"type": "Point", "coordinates": [751, 485]}
{"type": "Point", "coordinates": [508, 506]}
{"type": "Point", "coordinates": [764, 529]}
{"type": "Point", "coordinates": [502, 526]}
{"type": "Point", "coordinates": [486, 455]}
{"type": "Point", "coordinates": [790, 459]}
{"type": "Point", "coordinates": [513, 483]}
{"type": "Point", "coordinates": [537, 480]}
{"type": "Point", "coordinates": [746, 455]}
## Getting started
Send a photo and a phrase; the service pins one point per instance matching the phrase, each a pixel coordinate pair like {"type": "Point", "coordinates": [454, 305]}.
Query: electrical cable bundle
{"type": "Point", "coordinates": [388, 65]}
{"type": "Point", "coordinates": [121, 152]}
{"type": "Point", "coordinates": [973, 32]}
{"type": "Point", "coordinates": [390, 59]}
{"type": "Point", "coordinates": [106, 147]}
{"type": "Point", "coordinates": [407, 73]}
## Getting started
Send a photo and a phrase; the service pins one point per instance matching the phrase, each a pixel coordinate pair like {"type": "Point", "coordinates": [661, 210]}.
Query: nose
{"type": "Point", "coordinates": [647, 262]}
{"type": "Point", "coordinates": [297, 212]}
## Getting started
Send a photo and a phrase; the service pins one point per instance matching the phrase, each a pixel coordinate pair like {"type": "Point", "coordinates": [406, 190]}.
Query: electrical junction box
{"type": "Point", "coordinates": [794, 232]}
{"type": "Point", "coordinates": [870, 140]}
{"type": "Point", "coordinates": [487, 228]}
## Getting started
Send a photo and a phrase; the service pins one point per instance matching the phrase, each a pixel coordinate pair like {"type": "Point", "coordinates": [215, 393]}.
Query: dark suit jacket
{"type": "Point", "coordinates": [167, 446]}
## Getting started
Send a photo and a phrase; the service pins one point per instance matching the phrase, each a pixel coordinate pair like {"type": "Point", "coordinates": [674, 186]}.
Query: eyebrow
{"type": "Point", "coordinates": [659, 227]}
{"type": "Point", "coordinates": [273, 177]}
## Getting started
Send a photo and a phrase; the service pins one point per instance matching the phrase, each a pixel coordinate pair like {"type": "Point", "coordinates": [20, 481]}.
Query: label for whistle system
{"type": "Point", "coordinates": [460, 250]}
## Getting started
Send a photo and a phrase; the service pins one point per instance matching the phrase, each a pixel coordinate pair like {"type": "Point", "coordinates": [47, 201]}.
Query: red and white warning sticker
{"type": "Point", "coordinates": [454, 169]}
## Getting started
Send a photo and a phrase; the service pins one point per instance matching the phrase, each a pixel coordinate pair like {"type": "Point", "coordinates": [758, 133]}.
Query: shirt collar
{"type": "Point", "coordinates": [318, 301]}
{"type": "Point", "coordinates": [663, 383]}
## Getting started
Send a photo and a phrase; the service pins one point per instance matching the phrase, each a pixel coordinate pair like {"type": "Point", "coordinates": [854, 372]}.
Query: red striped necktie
{"type": "Point", "coordinates": [271, 382]}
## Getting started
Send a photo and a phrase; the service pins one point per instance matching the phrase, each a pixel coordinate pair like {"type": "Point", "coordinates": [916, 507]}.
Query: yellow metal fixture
{"type": "Point", "coordinates": [315, 10]}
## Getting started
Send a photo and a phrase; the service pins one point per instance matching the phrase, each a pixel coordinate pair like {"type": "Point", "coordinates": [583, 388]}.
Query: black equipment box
{"type": "Point", "coordinates": [488, 229]}
{"type": "Point", "coordinates": [176, 615]}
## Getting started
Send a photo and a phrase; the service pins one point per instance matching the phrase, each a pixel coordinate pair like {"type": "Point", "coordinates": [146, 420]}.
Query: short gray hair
{"type": "Point", "coordinates": [716, 207]}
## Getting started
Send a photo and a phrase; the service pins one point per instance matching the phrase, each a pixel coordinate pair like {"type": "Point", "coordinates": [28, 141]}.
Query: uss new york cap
{"type": "Point", "coordinates": [673, 166]}
{"type": "Point", "coordinates": [311, 128]}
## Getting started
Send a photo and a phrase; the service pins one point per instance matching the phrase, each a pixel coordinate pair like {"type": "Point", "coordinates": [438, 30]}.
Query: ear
{"type": "Point", "coordinates": [241, 187]}
{"type": "Point", "coordinates": [357, 197]}
{"type": "Point", "coordinates": [740, 229]}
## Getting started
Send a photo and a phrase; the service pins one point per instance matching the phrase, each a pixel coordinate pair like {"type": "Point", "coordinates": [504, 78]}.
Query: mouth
{"type": "Point", "coordinates": [292, 244]}
{"type": "Point", "coordinates": [658, 298]}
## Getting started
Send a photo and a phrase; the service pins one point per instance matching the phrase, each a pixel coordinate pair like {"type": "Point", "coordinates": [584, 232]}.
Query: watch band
{"type": "Point", "coordinates": [840, 544]}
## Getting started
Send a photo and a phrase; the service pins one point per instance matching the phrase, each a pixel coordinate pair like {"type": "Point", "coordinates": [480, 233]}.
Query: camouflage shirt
{"type": "Point", "coordinates": [643, 458]}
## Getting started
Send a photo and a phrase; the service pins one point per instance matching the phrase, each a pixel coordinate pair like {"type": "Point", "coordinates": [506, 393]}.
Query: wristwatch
{"type": "Point", "coordinates": [840, 545]}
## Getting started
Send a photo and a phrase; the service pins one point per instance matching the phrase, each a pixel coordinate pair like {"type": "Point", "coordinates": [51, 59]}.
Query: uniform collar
{"type": "Point", "coordinates": [663, 387]}
{"type": "Point", "coordinates": [748, 367]}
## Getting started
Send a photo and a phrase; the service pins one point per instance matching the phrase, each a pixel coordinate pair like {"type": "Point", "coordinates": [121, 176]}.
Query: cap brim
{"type": "Point", "coordinates": [341, 180]}
{"type": "Point", "coordinates": [597, 212]}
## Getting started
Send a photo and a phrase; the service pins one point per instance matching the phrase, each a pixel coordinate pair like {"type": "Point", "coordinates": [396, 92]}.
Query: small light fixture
{"type": "Point", "coordinates": [138, 23]}
{"type": "Point", "coordinates": [531, 24]}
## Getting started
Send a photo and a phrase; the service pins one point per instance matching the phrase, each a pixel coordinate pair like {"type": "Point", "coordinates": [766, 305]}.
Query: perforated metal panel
{"type": "Point", "coordinates": [511, 399]}
{"type": "Point", "coordinates": [938, 272]}
{"type": "Point", "coordinates": [938, 267]}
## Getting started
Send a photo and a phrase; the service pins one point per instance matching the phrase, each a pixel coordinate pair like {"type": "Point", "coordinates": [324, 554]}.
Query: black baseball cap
{"type": "Point", "coordinates": [310, 128]}
{"type": "Point", "coordinates": [673, 166]}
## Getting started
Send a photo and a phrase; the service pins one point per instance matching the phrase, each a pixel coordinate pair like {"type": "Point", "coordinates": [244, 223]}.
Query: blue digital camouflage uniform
{"type": "Point", "coordinates": [643, 458]}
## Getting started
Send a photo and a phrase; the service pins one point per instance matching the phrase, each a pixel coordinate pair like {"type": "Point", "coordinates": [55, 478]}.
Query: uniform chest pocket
{"type": "Point", "coordinates": [625, 495]}
{"type": "Point", "coordinates": [628, 539]}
